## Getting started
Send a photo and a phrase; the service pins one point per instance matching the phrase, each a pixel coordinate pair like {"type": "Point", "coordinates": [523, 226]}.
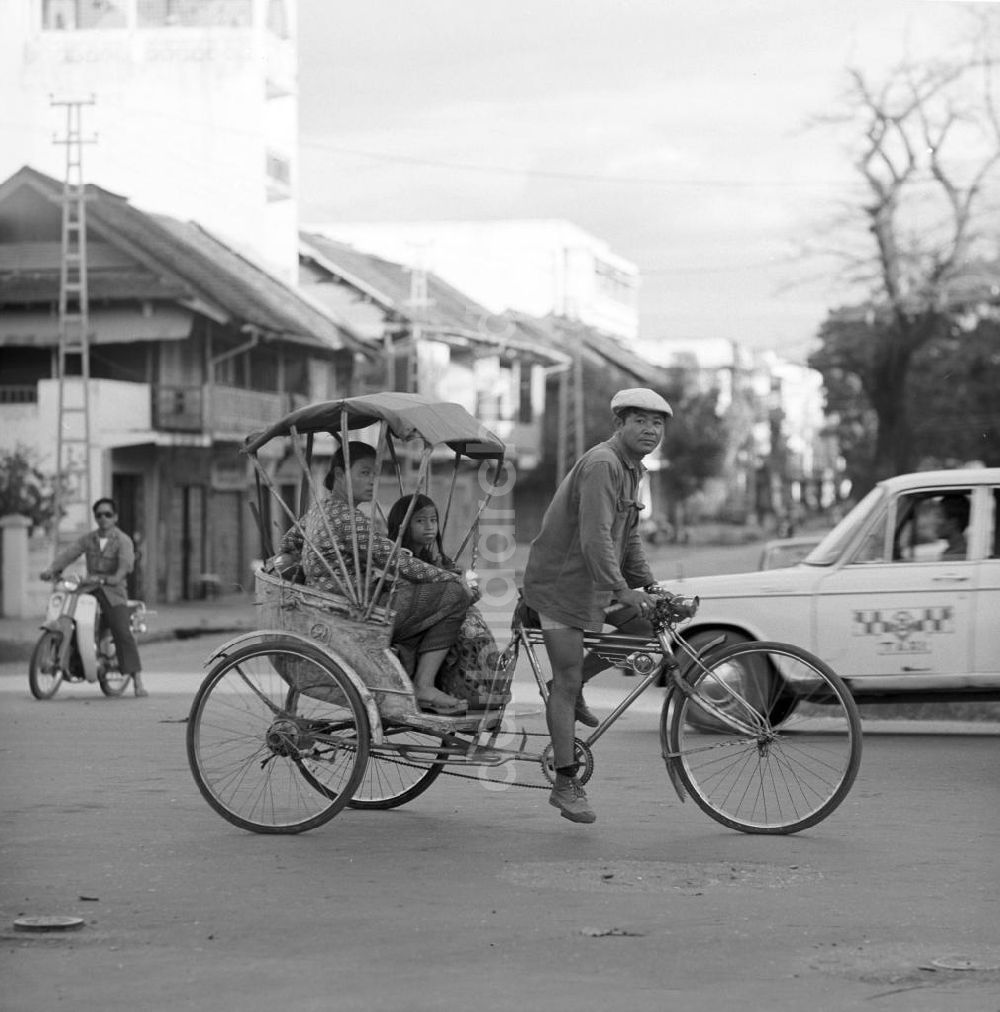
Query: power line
{"type": "Point", "coordinates": [585, 177]}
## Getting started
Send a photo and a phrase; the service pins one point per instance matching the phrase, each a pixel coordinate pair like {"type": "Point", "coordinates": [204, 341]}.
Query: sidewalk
{"type": "Point", "coordinates": [178, 620]}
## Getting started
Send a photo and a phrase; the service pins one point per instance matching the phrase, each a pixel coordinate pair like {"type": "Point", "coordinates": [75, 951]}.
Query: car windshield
{"type": "Point", "coordinates": [830, 549]}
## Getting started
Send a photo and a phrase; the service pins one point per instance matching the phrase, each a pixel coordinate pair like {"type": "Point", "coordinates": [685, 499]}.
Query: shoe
{"type": "Point", "coordinates": [582, 712]}
{"type": "Point", "coordinates": [571, 800]}
{"type": "Point", "coordinates": [442, 708]}
{"type": "Point", "coordinates": [137, 688]}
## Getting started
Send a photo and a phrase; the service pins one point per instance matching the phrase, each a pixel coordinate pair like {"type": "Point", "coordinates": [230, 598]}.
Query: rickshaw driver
{"type": "Point", "coordinates": [430, 603]}
{"type": "Point", "coordinates": [586, 568]}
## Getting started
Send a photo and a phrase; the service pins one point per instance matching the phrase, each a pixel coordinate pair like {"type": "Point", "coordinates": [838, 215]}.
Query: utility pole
{"type": "Point", "coordinates": [73, 451]}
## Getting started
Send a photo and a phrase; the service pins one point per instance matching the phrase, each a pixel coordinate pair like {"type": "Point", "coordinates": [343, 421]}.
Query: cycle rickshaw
{"type": "Point", "coordinates": [314, 711]}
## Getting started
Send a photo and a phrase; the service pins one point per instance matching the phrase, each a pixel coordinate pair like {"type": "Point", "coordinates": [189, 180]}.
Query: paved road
{"type": "Point", "coordinates": [483, 896]}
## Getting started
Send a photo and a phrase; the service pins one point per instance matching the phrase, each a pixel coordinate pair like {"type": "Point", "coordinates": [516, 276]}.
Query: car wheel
{"type": "Point", "coordinates": [760, 685]}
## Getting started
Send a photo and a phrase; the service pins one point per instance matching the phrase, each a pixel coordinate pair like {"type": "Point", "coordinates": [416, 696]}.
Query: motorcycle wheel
{"type": "Point", "coordinates": [111, 680]}
{"type": "Point", "coordinates": [44, 677]}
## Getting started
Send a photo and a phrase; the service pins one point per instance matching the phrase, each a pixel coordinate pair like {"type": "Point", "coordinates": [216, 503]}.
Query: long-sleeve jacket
{"type": "Point", "coordinates": [114, 562]}
{"type": "Point", "coordinates": [589, 547]}
{"type": "Point", "coordinates": [317, 545]}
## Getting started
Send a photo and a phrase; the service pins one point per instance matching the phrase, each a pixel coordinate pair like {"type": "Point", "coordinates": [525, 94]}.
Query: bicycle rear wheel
{"type": "Point", "coordinates": [762, 778]}
{"type": "Point", "coordinates": [272, 760]}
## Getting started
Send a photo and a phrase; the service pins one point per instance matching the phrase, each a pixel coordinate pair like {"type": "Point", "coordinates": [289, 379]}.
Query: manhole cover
{"type": "Point", "coordinates": [905, 963]}
{"type": "Point", "coordinates": [54, 923]}
{"type": "Point", "coordinates": [963, 963]}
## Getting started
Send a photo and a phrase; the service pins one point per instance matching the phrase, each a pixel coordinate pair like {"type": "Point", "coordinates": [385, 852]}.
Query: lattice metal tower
{"type": "Point", "coordinates": [73, 449]}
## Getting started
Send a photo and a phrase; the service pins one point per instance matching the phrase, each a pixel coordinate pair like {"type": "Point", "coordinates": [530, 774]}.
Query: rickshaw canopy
{"type": "Point", "coordinates": [407, 416]}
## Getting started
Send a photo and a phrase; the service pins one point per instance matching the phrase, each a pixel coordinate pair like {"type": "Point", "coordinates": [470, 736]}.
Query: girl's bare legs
{"type": "Point", "coordinates": [423, 679]}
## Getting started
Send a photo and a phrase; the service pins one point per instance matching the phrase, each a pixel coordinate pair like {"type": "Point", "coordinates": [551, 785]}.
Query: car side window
{"type": "Point", "coordinates": [872, 549]}
{"type": "Point", "coordinates": [931, 527]}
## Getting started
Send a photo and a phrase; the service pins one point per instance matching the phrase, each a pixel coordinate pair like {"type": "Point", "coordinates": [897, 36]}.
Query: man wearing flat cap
{"type": "Point", "coordinates": [587, 568]}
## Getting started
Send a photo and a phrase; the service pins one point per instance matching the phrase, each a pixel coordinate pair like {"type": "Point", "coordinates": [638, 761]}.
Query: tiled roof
{"type": "Point", "coordinates": [390, 285]}
{"type": "Point", "coordinates": [184, 260]}
{"type": "Point", "coordinates": [601, 348]}
{"type": "Point", "coordinates": [448, 312]}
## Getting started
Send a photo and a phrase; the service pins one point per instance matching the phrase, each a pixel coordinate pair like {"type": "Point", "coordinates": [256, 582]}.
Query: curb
{"type": "Point", "coordinates": [12, 651]}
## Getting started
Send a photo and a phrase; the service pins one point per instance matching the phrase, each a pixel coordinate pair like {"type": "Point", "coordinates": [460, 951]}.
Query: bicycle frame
{"type": "Point", "coordinates": [643, 654]}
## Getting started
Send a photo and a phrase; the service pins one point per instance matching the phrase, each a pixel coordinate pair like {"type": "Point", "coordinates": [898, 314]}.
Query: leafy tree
{"type": "Point", "coordinates": [25, 489]}
{"type": "Point", "coordinates": [927, 147]}
{"type": "Point", "coordinates": [955, 408]}
{"type": "Point", "coordinates": [694, 446]}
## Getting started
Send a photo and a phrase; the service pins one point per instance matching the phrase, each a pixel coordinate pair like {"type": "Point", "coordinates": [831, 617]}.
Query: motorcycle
{"type": "Point", "coordinates": [75, 645]}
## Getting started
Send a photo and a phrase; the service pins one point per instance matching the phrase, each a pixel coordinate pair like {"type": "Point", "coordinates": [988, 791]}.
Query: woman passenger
{"type": "Point", "coordinates": [430, 603]}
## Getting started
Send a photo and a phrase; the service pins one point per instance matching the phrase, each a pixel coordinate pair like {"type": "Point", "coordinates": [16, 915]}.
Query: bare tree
{"type": "Point", "coordinates": [927, 147]}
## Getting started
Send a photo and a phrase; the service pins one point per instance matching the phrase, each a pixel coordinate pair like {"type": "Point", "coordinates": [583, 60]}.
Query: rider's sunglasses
{"type": "Point", "coordinates": [104, 513]}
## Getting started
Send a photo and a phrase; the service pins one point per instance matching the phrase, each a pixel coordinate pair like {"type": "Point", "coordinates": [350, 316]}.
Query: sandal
{"type": "Point", "coordinates": [446, 706]}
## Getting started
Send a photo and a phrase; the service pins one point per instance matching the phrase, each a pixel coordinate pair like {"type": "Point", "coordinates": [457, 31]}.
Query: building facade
{"type": "Point", "coordinates": [189, 107]}
{"type": "Point", "coordinates": [192, 347]}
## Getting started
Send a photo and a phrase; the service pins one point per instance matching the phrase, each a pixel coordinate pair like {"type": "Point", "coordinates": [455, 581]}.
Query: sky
{"type": "Point", "coordinates": [676, 130]}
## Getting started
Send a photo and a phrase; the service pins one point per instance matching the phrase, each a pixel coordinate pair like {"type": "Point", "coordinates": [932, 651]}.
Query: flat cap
{"type": "Point", "coordinates": [642, 398]}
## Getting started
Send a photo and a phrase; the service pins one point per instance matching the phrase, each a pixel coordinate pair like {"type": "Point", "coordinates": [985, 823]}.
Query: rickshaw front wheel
{"type": "Point", "coordinates": [277, 737]}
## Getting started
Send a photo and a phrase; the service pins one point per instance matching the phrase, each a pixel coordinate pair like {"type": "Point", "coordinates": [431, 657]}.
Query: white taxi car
{"type": "Point", "coordinates": [901, 598]}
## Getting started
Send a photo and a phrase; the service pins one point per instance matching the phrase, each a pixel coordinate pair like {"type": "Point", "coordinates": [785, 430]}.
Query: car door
{"type": "Point", "coordinates": [902, 602]}
{"type": "Point", "coordinates": [986, 615]}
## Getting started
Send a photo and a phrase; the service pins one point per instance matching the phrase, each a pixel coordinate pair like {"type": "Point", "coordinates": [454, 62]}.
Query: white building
{"type": "Point", "coordinates": [194, 113]}
{"type": "Point", "coordinates": [534, 266]}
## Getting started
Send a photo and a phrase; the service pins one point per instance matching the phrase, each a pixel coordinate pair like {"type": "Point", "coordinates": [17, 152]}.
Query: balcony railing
{"type": "Point", "coordinates": [218, 410]}
{"type": "Point", "coordinates": [19, 394]}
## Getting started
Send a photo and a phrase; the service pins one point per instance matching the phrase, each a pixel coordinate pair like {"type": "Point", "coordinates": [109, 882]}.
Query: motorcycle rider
{"type": "Point", "coordinates": [110, 557]}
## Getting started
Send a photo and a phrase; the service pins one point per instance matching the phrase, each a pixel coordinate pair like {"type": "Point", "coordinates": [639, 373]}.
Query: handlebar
{"type": "Point", "coordinates": [673, 608]}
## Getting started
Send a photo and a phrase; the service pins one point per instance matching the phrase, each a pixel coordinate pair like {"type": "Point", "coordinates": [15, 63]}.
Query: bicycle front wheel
{"type": "Point", "coordinates": [273, 760]}
{"type": "Point", "coordinates": [739, 766]}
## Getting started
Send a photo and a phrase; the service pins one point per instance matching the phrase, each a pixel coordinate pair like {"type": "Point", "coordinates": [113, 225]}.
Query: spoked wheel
{"type": "Point", "coordinates": [111, 680]}
{"type": "Point", "coordinates": [761, 778]}
{"type": "Point", "coordinates": [392, 778]}
{"type": "Point", "coordinates": [270, 760]}
{"type": "Point", "coordinates": [44, 675]}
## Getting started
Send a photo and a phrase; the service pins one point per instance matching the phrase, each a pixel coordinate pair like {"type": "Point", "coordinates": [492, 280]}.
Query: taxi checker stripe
{"type": "Point", "coordinates": [868, 623]}
{"type": "Point", "coordinates": [933, 619]}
